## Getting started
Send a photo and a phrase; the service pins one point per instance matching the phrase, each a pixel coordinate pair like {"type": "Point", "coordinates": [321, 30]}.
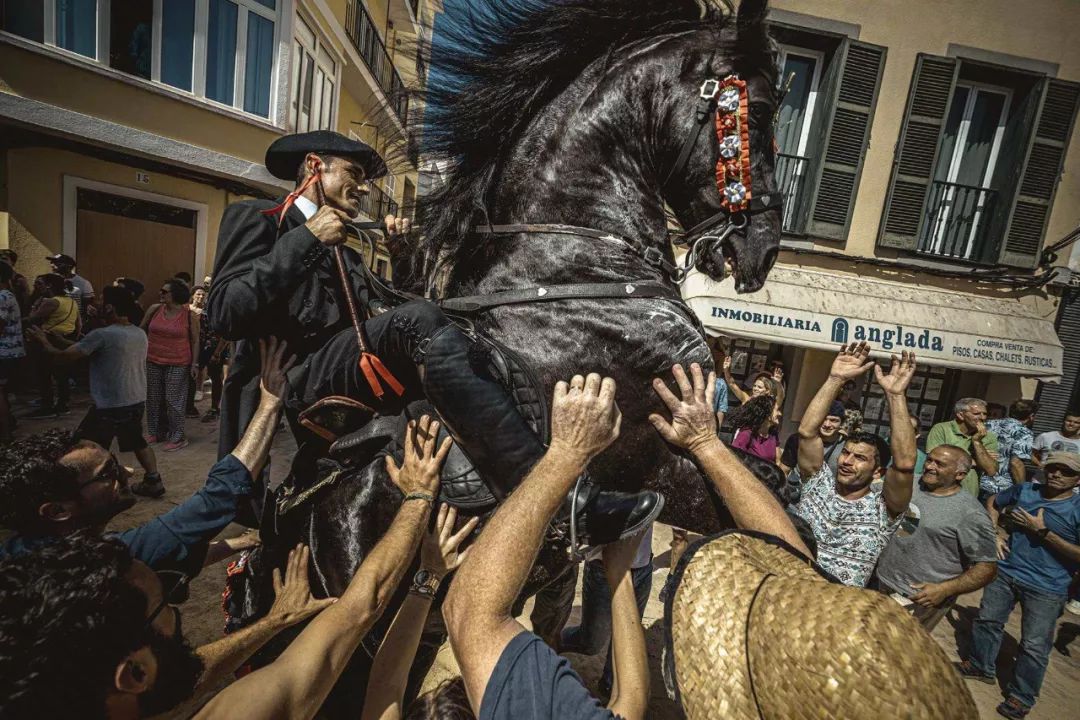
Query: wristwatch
{"type": "Point", "coordinates": [425, 583]}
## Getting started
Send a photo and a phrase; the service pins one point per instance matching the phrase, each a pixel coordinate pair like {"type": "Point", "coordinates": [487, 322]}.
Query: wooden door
{"type": "Point", "coordinates": [110, 246]}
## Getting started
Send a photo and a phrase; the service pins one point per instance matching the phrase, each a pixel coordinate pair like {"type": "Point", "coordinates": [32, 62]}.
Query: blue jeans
{"type": "Point", "coordinates": [594, 632]}
{"type": "Point", "coordinates": [1039, 612]}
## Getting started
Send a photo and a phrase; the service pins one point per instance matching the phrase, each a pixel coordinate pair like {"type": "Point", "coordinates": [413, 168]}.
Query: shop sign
{"type": "Point", "coordinates": [947, 348]}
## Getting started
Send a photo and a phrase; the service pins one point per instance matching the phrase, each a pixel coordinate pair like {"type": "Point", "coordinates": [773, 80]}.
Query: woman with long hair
{"type": "Point", "coordinates": [172, 331]}
{"type": "Point", "coordinates": [755, 423]}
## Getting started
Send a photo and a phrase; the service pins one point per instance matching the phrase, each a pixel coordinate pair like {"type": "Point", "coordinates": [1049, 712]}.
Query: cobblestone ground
{"type": "Point", "coordinates": [185, 470]}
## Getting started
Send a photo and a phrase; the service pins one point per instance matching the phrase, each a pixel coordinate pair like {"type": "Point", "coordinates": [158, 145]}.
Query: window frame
{"type": "Point", "coordinates": [296, 81]}
{"type": "Point", "coordinates": [792, 220]}
{"type": "Point", "coordinates": [100, 58]}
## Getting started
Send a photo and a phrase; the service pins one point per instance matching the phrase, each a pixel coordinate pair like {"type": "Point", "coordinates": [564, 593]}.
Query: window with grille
{"type": "Point", "coordinates": [314, 81]}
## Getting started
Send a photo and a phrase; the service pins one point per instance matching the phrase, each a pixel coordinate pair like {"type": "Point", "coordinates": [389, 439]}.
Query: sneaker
{"type": "Point", "coordinates": [968, 670]}
{"type": "Point", "coordinates": [44, 412]}
{"type": "Point", "coordinates": [1013, 709]}
{"type": "Point", "coordinates": [151, 439]}
{"type": "Point", "coordinates": [174, 446]}
{"type": "Point", "coordinates": [1073, 606]}
{"type": "Point", "coordinates": [211, 415]}
{"type": "Point", "coordinates": [149, 487]}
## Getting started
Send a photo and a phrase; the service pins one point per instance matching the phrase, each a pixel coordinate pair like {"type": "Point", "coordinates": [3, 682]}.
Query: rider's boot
{"type": "Point", "coordinates": [481, 416]}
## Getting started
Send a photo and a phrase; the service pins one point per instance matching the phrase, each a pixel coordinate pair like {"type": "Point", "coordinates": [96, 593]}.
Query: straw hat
{"type": "Point", "coordinates": [755, 631]}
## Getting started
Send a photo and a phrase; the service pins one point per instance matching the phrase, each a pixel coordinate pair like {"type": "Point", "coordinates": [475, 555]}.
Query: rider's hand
{"type": "Point", "coordinates": [275, 363]}
{"type": "Point", "coordinates": [439, 553]}
{"type": "Point", "coordinates": [585, 419]}
{"type": "Point", "coordinates": [693, 423]}
{"type": "Point", "coordinates": [851, 362]}
{"type": "Point", "coordinates": [419, 471]}
{"type": "Point", "coordinates": [900, 374]}
{"type": "Point", "coordinates": [397, 225]}
{"type": "Point", "coordinates": [293, 602]}
{"type": "Point", "coordinates": [328, 225]}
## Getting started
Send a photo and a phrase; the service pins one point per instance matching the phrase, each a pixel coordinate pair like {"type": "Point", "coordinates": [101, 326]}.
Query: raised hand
{"type": "Point", "coordinates": [852, 361]}
{"type": "Point", "coordinates": [419, 471]}
{"type": "Point", "coordinates": [900, 374]}
{"type": "Point", "coordinates": [585, 418]}
{"type": "Point", "coordinates": [439, 553]}
{"type": "Point", "coordinates": [692, 423]}
{"type": "Point", "coordinates": [397, 226]}
{"type": "Point", "coordinates": [275, 364]}
{"type": "Point", "coordinates": [293, 601]}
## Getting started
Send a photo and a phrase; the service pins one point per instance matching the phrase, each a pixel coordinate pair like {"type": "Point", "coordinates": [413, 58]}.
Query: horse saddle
{"type": "Point", "coordinates": [461, 484]}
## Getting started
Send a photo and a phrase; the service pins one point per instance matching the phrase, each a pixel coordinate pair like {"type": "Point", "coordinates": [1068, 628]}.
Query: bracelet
{"type": "Point", "coordinates": [422, 591]}
{"type": "Point", "coordinates": [419, 496]}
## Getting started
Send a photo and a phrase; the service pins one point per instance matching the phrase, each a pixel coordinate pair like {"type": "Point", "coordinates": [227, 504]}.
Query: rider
{"type": "Point", "coordinates": [276, 273]}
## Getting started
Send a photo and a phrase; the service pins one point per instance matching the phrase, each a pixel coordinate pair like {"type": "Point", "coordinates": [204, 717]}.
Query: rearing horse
{"type": "Point", "coordinates": [599, 116]}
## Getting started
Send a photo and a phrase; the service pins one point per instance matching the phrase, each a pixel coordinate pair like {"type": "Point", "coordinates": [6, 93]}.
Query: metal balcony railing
{"type": "Point", "coordinates": [957, 220]}
{"type": "Point", "coordinates": [377, 204]}
{"type": "Point", "coordinates": [365, 37]}
{"type": "Point", "coordinates": [791, 172]}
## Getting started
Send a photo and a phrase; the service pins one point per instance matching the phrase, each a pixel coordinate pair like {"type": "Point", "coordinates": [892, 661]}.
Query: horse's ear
{"type": "Point", "coordinates": [751, 18]}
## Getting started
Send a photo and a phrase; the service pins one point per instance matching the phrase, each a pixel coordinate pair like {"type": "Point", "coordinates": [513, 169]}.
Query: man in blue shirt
{"type": "Point", "coordinates": [1036, 565]}
{"type": "Point", "coordinates": [1015, 441]}
{"type": "Point", "coordinates": [54, 485]}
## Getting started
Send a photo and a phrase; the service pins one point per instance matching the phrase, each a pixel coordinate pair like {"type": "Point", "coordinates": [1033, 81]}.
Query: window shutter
{"type": "Point", "coordinates": [1041, 171]}
{"type": "Point", "coordinates": [916, 152]}
{"type": "Point", "coordinates": [846, 136]}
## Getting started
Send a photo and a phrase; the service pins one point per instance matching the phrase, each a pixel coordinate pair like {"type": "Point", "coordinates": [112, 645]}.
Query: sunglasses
{"type": "Point", "coordinates": [1062, 470]}
{"type": "Point", "coordinates": [174, 590]}
{"type": "Point", "coordinates": [112, 472]}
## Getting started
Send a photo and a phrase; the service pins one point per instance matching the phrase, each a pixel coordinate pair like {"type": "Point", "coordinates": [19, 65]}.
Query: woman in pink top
{"type": "Point", "coordinates": [755, 423]}
{"type": "Point", "coordinates": [172, 332]}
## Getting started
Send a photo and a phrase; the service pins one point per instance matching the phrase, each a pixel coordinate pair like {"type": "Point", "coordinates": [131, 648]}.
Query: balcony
{"type": "Point", "coordinates": [791, 172]}
{"type": "Point", "coordinates": [377, 204]}
{"type": "Point", "coordinates": [365, 38]}
{"type": "Point", "coordinates": [957, 222]}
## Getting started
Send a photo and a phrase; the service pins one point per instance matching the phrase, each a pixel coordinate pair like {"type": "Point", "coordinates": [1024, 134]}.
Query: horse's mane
{"type": "Point", "coordinates": [495, 65]}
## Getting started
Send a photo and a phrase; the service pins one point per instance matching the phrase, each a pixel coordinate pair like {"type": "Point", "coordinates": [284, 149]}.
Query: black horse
{"type": "Point", "coordinates": [572, 112]}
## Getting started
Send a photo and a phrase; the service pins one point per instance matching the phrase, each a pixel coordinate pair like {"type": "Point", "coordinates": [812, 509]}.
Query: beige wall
{"type": "Point", "coordinates": [35, 203]}
{"type": "Point", "coordinates": [132, 104]}
{"type": "Point", "coordinates": [1043, 30]}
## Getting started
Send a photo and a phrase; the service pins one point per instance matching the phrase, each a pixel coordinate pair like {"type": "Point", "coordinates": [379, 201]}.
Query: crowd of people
{"type": "Point", "coordinates": [832, 517]}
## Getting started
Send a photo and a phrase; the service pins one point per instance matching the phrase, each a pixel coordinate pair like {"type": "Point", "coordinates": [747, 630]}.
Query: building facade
{"type": "Point", "coordinates": [127, 126]}
{"type": "Point", "coordinates": [927, 155]}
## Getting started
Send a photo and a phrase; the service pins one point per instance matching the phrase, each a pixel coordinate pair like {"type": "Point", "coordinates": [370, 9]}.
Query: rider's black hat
{"type": "Point", "coordinates": [284, 156]}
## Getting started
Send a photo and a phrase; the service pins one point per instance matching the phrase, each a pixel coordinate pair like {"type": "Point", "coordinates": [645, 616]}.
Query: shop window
{"type": "Point", "coordinates": [831, 85]}
{"type": "Point", "coordinates": [980, 153]}
{"type": "Point", "coordinates": [221, 50]}
{"type": "Point", "coordinates": [314, 81]}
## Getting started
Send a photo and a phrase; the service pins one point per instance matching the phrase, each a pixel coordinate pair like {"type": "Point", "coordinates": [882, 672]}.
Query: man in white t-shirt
{"type": "Point", "coordinates": [1065, 440]}
{"type": "Point", "coordinates": [117, 355]}
{"type": "Point", "coordinates": [851, 521]}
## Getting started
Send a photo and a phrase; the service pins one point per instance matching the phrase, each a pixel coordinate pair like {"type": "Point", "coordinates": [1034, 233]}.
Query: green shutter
{"type": "Point", "coordinates": [916, 152]}
{"type": "Point", "coordinates": [847, 133]}
{"type": "Point", "coordinates": [1041, 170]}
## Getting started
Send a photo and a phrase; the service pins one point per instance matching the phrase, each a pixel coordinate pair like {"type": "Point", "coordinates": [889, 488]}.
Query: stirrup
{"type": "Point", "coordinates": [561, 530]}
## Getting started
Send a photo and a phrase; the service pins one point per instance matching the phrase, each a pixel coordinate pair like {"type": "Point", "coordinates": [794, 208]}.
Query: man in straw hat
{"type": "Point", "coordinates": [1037, 563]}
{"type": "Point", "coordinates": [852, 521]}
{"type": "Point", "coordinates": [283, 269]}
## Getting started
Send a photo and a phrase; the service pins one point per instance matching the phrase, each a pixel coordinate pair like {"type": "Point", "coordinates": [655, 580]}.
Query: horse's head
{"type": "Point", "coordinates": [692, 189]}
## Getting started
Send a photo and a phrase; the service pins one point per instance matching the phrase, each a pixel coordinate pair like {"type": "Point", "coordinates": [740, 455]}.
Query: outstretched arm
{"type": "Point", "coordinates": [851, 362]}
{"type": "Point", "coordinates": [732, 384]}
{"type": "Point", "coordinates": [630, 659]}
{"type": "Point", "coordinates": [297, 683]}
{"type": "Point", "coordinates": [692, 427]}
{"type": "Point", "coordinates": [900, 474]}
{"type": "Point", "coordinates": [390, 671]}
{"type": "Point", "coordinates": [254, 446]}
{"type": "Point", "coordinates": [585, 420]}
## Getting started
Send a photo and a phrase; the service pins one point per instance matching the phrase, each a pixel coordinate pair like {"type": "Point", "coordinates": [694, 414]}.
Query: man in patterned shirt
{"type": "Point", "coordinates": [851, 521]}
{"type": "Point", "coordinates": [1015, 441]}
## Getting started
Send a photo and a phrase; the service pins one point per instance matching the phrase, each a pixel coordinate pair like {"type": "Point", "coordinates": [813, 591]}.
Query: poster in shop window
{"type": "Point", "coordinates": [933, 389]}
{"type": "Point", "coordinates": [926, 415]}
{"type": "Point", "coordinates": [874, 406]}
{"type": "Point", "coordinates": [916, 387]}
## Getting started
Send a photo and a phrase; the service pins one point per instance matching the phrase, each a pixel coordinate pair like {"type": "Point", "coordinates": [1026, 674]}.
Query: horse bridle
{"type": "Point", "coordinates": [726, 101]}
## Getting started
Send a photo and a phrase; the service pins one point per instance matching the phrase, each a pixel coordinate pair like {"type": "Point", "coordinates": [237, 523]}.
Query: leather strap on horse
{"type": "Point", "coordinates": [653, 256]}
{"type": "Point", "coordinates": [478, 303]}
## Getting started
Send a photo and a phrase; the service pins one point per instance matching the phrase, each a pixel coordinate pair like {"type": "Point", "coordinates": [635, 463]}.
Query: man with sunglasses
{"type": "Point", "coordinates": [1039, 551]}
{"type": "Point", "coordinates": [54, 485]}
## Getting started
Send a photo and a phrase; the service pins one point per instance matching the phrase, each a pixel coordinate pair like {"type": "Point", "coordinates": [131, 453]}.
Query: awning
{"type": "Point", "coordinates": [815, 309]}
